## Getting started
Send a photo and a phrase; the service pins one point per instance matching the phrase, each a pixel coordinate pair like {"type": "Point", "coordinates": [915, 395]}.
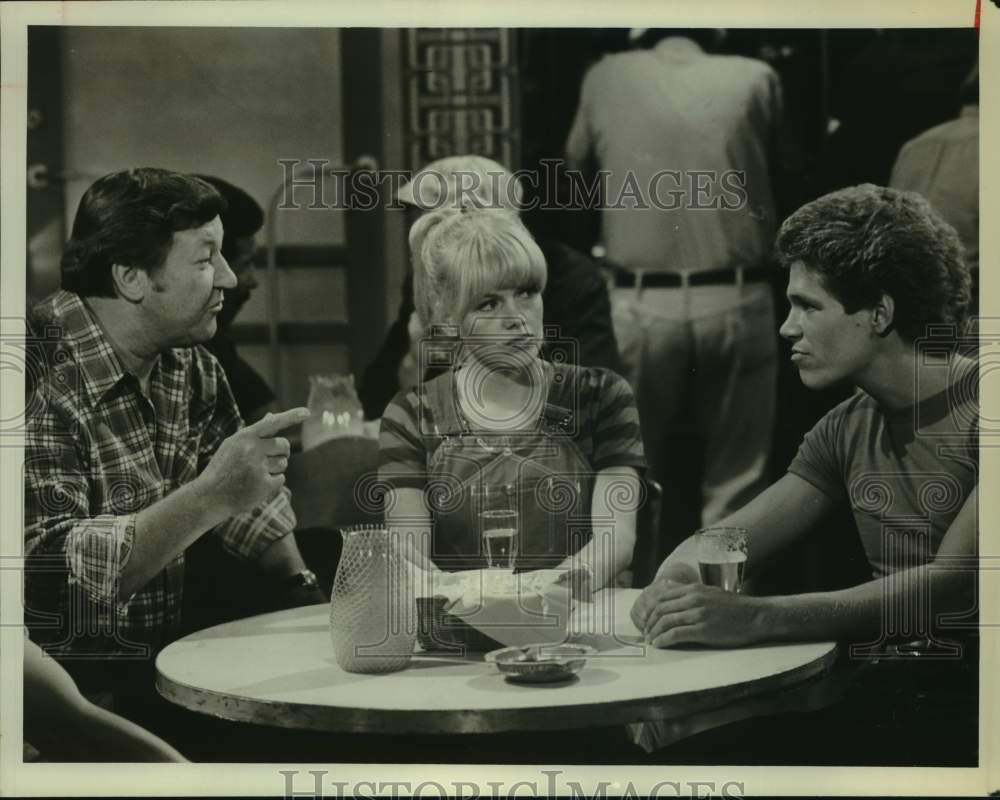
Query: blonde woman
{"type": "Point", "coordinates": [560, 444]}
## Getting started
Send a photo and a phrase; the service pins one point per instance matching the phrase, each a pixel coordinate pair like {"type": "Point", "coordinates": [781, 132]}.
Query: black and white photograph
{"type": "Point", "coordinates": [443, 400]}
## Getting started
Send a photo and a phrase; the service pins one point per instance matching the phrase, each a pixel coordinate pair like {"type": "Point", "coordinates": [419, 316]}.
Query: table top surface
{"type": "Point", "coordinates": [279, 669]}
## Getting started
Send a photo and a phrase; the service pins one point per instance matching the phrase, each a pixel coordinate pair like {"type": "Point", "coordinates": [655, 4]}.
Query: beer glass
{"type": "Point", "coordinates": [499, 532]}
{"type": "Point", "coordinates": [722, 557]}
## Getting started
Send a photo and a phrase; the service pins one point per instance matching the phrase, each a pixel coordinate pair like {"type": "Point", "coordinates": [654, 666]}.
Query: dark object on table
{"type": "Point", "coordinates": [444, 633]}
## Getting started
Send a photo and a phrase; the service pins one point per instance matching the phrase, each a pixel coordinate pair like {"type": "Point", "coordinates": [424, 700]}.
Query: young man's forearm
{"type": "Point", "coordinates": [859, 613]}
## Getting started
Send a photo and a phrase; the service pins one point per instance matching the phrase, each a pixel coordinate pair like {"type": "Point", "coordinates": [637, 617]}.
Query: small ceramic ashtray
{"type": "Point", "coordinates": [540, 663]}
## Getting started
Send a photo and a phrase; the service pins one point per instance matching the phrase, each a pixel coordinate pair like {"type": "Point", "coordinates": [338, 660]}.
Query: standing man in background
{"type": "Point", "coordinates": [686, 143]}
{"type": "Point", "coordinates": [942, 164]}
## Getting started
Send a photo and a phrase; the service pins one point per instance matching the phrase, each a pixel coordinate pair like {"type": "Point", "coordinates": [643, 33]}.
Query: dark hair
{"type": "Point", "coordinates": [867, 240]}
{"type": "Point", "coordinates": [130, 217]}
{"type": "Point", "coordinates": [242, 217]}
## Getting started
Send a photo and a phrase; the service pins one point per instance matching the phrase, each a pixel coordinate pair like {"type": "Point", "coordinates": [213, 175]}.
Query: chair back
{"type": "Point", "coordinates": [328, 483]}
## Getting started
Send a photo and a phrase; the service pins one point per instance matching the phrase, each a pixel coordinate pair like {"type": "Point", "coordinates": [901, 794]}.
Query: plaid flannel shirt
{"type": "Point", "coordinates": [98, 451]}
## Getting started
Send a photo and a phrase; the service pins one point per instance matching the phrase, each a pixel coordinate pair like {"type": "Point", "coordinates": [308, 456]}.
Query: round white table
{"type": "Point", "coordinates": [278, 669]}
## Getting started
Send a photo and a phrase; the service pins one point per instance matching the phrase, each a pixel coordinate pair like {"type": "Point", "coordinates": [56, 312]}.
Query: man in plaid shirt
{"type": "Point", "coordinates": [135, 447]}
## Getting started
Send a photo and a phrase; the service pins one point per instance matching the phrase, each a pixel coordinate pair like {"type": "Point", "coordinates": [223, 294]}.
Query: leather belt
{"type": "Point", "coordinates": [668, 280]}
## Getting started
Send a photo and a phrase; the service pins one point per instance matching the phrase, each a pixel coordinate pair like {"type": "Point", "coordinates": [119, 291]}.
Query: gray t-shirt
{"type": "Point", "coordinates": [905, 474]}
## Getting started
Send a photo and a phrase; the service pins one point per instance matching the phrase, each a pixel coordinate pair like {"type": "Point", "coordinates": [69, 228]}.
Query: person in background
{"type": "Point", "coordinates": [576, 297]}
{"type": "Point", "coordinates": [688, 143]}
{"type": "Point", "coordinates": [218, 585]}
{"type": "Point", "coordinates": [500, 416]}
{"type": "Point", "coordinates": [241, 219]}
{"type": "Point", "coordinates": [942, 165]}
{"type": "Point", "coordinates": [872, 270]}
{"type": "Point", "coordinates": [135, 447]}
{"type": "Point", "coordinates": [886, 86]}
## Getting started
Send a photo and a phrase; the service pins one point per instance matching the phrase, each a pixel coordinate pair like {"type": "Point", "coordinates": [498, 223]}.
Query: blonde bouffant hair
{"type": "Point", "coordinates": [458, 256]}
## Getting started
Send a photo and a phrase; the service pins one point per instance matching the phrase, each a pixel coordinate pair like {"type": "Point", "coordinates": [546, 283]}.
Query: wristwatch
{"type": "Point", "coordinates": [306, 579]}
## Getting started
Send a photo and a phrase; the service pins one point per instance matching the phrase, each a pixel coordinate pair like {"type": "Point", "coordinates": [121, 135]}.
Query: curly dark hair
{"type": "Point", "coordinates": [130, 217]}
{"type": "Point", "coordinates": [867, 240]}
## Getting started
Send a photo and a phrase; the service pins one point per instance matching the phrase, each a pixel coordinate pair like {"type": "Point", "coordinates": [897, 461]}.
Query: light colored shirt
{"type": "Point", "coordinates": [942, 165]}
{"type": "Point", "coordinates": [688, 140]}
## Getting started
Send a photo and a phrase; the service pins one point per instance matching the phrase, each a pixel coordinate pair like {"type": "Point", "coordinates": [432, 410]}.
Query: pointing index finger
{"type": "Point", "coordinates": [271, 423]}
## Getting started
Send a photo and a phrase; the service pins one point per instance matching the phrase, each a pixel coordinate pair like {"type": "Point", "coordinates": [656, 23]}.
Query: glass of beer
{"type": "Point", "coordinates": [722, 557]}
{"type": "Point", "coordinates": [499, 532]}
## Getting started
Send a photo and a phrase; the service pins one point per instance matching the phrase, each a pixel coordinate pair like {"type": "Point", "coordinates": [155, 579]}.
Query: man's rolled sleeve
{"type": "Point", "coordinates": [58, 521]}
{"type": "Point", "coordinates": [97, 551]}
{"type": "Point", "coordinates": [248, 535]}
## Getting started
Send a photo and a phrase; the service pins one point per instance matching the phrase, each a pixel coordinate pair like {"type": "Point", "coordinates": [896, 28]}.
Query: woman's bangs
{"type": "Point", "coordinates": [500, 261]}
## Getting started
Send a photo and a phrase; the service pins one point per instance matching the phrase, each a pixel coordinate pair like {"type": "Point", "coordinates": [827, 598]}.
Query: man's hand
{"type": "Point", "coordinates": [670, 572]}
{"type": "Point", "coordinates": [669, 613]}
{"type": "Point", "coordinates": [248, 468]}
